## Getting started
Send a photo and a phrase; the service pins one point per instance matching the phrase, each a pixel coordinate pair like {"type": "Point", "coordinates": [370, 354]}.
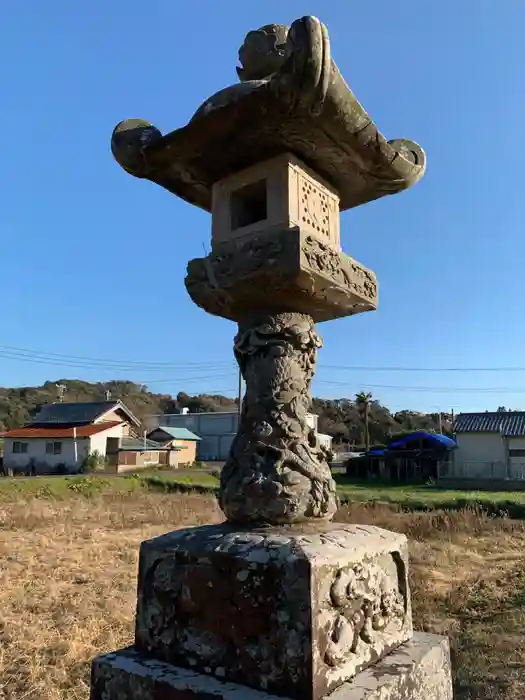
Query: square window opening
{"type": "Point", "coordinates": [249, 205]}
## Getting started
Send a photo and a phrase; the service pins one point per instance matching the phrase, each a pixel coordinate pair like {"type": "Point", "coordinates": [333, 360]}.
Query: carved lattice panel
{"type": "Point", "coordinates": [314, 208]}
{"type": "Point", "coordinates": [317, 208]}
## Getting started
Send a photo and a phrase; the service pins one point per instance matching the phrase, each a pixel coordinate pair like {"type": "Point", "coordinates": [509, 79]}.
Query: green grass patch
{"type": "Point", "coordinates": [424, 498]}
{"type": "Point", "coordinates": [197, 483]}
{"type": "Point", "coordinates": [61, 487]}
{"type": "Point", "coordinates": [407, 498]}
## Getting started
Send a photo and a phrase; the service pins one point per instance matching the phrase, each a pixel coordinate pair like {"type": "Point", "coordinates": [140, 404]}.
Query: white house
{"type": "Point", "coordinates": [64, 434]}
{"type": "Point", "coordinates": [325, 440]}
{"type": "Point", "coordinates": [491, 446]}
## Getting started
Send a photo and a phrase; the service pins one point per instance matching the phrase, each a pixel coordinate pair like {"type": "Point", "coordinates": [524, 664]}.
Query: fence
{"type": "Point", "coordinates": [452, 469]}
{"type": "Point", "coordinates": [483, 475]}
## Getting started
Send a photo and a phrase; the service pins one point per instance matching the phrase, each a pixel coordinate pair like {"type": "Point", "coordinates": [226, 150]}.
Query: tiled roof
{"type": "Point", "coordinates": [511, 423]}
{"type": "Point", "coordinates": [177, 433]}
{"type": "Point", "coordinates": [84, 412]}
{"type": "Point", "coordinates": [78, 412]}
{"type": "Point", "coordinates": [82, 431]}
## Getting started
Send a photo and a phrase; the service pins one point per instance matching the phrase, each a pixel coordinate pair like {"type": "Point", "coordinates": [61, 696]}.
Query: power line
{"type": "Point", "coordinates": [218, 369]}
{"type": "Point", "coordinates": [9, 352]}
{"type": "Point", "coordinates": [415, 388]}
{"type": "Point", "coordinates": [428, 389]}
{"type": "Point", "coordinates": [89, 359]}
{"type": "Point", "coordinates": [172, 380]}
{"type": "Point", "coordinates": [432, 389]}
{"type": "Point", "coordinates": [13, 352]}
{"type": "Point", "coordinates": [218, 392]}
{"type": "Point", "coordinates": [115, 368]}
{"type": "Point", "coordinates": [366, 368]}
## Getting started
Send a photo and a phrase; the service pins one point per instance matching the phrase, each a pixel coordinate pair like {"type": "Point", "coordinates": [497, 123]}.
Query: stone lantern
{"type": "Point", "coordinates": [278, 599]}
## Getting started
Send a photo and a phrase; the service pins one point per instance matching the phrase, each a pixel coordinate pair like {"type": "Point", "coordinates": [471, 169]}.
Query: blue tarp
{"type": "Point", "coordinates": [423, 435]}
{"type": "Point", "coordinates": [406, 441]}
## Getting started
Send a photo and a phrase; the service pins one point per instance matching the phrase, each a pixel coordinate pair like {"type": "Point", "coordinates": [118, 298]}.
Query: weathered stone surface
{"type": "Point", "coordinates": [278, 194]}
{"type": "Point", "coordinates": [418, 670]}
{"type": "Point", "coordinates": [288, 270]}
{"type": "Point", "coordinates": [294, 611]}
{"type": "Point", "coordinates": [276, 472]}
{"type": "Point", "coordinates": [292, 98]}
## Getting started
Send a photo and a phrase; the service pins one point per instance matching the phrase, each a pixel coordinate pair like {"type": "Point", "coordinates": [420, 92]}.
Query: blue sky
{"type": "Point", "coordinates": [93, 260]}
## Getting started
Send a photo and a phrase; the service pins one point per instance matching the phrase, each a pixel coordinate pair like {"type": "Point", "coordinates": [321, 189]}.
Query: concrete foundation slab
{"type": "Point", "coordinates": [418, 670]}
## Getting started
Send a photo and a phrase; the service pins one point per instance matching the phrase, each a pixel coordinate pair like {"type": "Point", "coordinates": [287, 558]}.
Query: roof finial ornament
{"type": "Point", "coordinates": [263, 52]}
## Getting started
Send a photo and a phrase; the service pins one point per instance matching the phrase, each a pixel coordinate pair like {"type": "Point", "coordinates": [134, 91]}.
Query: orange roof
{"type": "Point", "coordinates": [49, 432]}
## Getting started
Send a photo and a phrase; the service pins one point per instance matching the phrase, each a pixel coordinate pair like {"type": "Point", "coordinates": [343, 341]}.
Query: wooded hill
{"type": "Point", "coordinates": [344, 419]}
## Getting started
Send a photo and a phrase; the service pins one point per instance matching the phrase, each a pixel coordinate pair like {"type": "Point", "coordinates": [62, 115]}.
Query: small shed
{"type": "Point", "coordinates": [412, 458]}
{"type": "Point", "coordinates": [130, 454]}
{"type": "Point", "coordinates": [181, 439]}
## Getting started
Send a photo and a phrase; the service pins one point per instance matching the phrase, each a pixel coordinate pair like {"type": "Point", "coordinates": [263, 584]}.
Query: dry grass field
{"type": "Point", "coordinates": [68, 576]}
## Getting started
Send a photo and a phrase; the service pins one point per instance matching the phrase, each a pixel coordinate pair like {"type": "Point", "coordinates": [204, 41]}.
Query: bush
{"type": "Point", "coordinates": [88, 486]}
{"type": "Point", "coordinates": [94, 462]}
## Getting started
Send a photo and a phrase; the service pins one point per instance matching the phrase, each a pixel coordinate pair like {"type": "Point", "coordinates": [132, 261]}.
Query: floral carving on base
{"type": "Point", "coordinates": [322, 258]}
{"type": "Point", "coordinates": [366, 603]}
{"type": "Point", "coordinates": [289, 270]}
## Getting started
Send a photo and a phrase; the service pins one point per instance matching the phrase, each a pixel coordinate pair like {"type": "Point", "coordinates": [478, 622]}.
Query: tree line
{"type": "Point", "coordinates": [355, 421]}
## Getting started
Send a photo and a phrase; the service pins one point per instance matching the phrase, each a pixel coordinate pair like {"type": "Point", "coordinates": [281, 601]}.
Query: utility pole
{"type": "Point", "coordinates": [240, 392]}
{"type": "Point", "coordinates": [108, 395]}
{"type": "Point", "coordinates": [440, 424]}
{"type": "Point", "coordinates": [75, 443]}
{"type": "Point", "coordinates": [367, 426]}
{"type": "Point", "coordinates": [61, 388]}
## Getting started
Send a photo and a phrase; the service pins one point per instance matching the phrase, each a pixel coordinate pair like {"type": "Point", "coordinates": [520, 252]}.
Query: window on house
{"type": "Point", "coordinates": [54, 448]}
{"type": "Point", "coordinates": [20, 447]}
{"type": "Point", "coordinates": [516, 453]}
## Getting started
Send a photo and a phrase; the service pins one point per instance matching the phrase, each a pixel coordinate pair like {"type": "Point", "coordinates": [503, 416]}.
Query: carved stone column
{"type": "Point", "coordinates": [276, 471]}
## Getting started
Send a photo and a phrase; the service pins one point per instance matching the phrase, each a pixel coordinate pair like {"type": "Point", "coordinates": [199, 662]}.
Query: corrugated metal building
{"type": "Point", "coordinates": [215, 429]}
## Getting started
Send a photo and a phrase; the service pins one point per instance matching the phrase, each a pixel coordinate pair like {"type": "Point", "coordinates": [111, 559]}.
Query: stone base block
{"type": "Point", "coordinates": [418, 670]}
{"type": "Point", "coordinates": [292, 610]}
{"type": "Point", "coordinates": [288, 270]}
